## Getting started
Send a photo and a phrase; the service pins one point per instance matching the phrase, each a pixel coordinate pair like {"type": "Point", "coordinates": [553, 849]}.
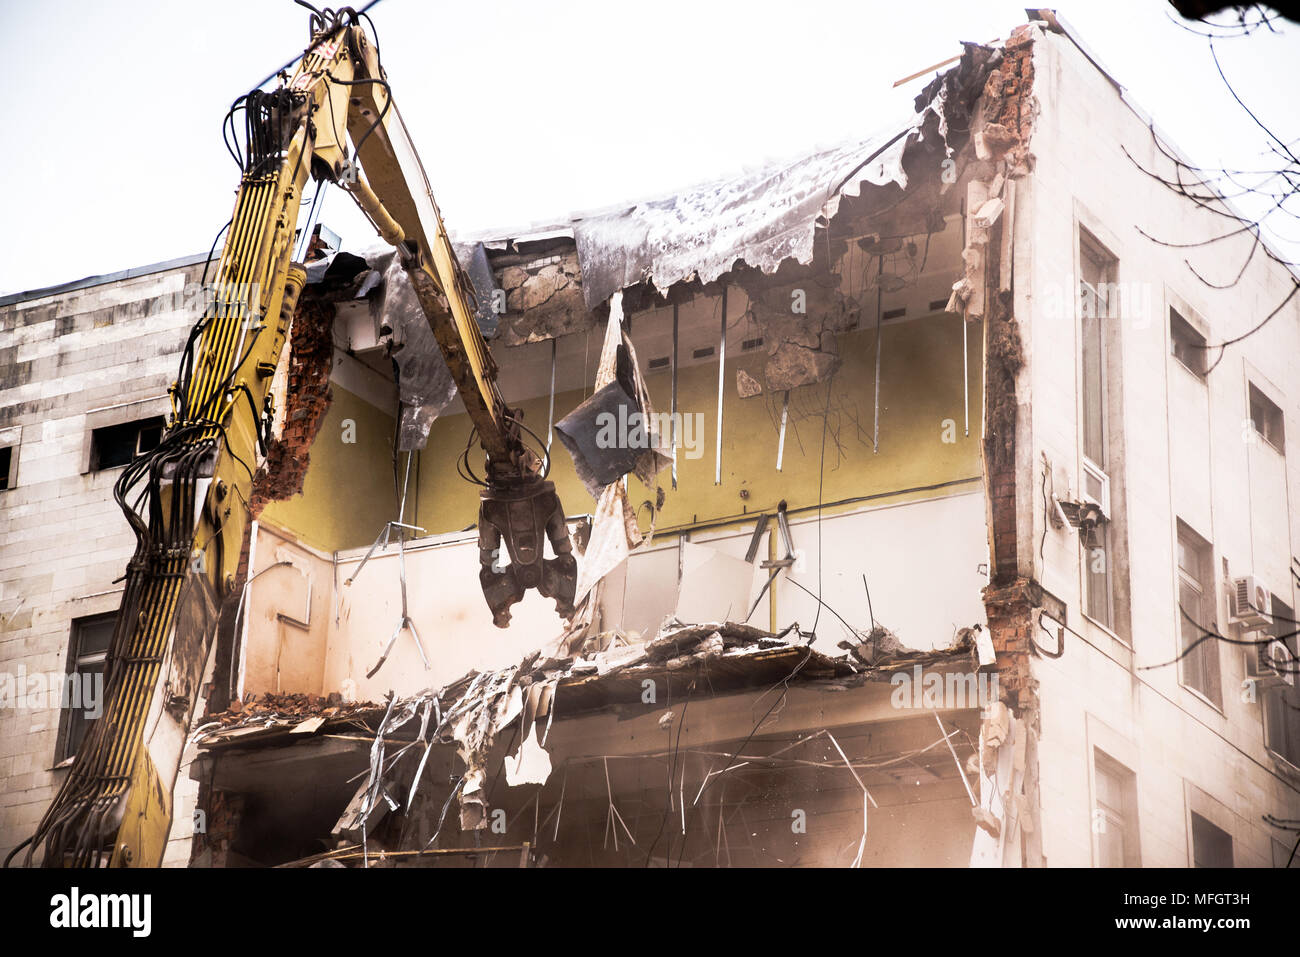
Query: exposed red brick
{"type": "Point", "coordinates": [311, 355]}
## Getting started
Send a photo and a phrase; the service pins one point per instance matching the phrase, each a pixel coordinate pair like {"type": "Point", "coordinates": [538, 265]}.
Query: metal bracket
{"type": "Point", "coordinates": [382, 540]}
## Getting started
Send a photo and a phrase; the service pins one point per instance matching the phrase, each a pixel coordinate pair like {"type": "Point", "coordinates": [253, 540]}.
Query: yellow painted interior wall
{"type": "Point", "coordinates": [348, 492]}
{"type": "Point", "coordinates": [920, 387]}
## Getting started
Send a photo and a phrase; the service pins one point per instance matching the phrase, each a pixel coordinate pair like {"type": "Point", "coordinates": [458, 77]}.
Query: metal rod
{"type": "Point", "coordinates": [304, 240]}
{"type": "Point", "coordinates": [785, 415]}
{"type": "Point", "coordinates": [672, 419]}
{"type": "Point", "coordinates": [965, 374]}
{"type": "Point", "coordinates": [550, 415]}
{"type": "Point", "coordinates": [948, 741]}
{"type": "Point", "coordinates": [722, 369]}
{"type": "Point", "coordinates": [771, 592]}
{"type": "Point", "coordinates": [880, 299]}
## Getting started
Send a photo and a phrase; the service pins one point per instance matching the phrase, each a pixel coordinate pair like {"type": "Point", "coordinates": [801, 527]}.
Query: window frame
{"type": "Point", "coordinates": [1182, 329]}
{"type": "Point", "coordinates": [11, 439]}
{"type": "Point", "coordinates": [1273, 420]}
{"type": "Point", "coordinates": [76, 661]}
{"type": "Point", "coordinates": [1206, 656]}
{"type": "Point", "coordinates": [1280, 699]}
{"type": "Point", "coordinates": [1126, 815]}
{"type": "Point", "coordinates": [136, 428]}
{"type": "Point", "coordinates": [1095, 257]}
{"type": "Point", "coordinates": [141, 410]}
{"type": "Point", "coordinates": [1193, 817]}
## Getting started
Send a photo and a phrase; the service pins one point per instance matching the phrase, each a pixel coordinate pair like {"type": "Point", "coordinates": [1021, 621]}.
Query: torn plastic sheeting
{"type": "Point", "coordinates": [424, 383]}
{"type": "Point", "coordinates": [762, 218]}
{"type": "Point", "coordinates": [614, 531]}
{"type": "Point", "coordinates": [485, 286]}
{"type": "Point", "coordinates": [600, 460]}
{"type": "Point", "coordinates": [583, 432]}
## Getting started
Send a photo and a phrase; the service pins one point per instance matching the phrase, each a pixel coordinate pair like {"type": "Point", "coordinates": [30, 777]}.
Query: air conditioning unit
{"type": "Point", "coordinates": [1247, 600]}
{"type": "Point", "coordinates": [1270, 665]}
{"type": "Point", "coordinates": [1280, 659]}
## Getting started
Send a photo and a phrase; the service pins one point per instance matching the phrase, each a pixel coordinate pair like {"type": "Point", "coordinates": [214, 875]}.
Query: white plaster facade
{"type": "Point", "coordinates": [1188, 453]}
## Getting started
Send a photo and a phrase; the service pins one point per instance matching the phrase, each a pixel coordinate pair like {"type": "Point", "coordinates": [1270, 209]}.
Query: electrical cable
{"type": "Point", "coordinates": [785, 682]}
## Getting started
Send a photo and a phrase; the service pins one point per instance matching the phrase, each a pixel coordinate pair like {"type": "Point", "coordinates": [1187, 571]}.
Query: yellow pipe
{"type": "Point", "coordinates": [389, 229]}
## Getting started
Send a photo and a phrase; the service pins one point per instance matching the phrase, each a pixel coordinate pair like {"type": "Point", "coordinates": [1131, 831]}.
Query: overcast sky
{"type": "Point", "coordinates": [525, 111]}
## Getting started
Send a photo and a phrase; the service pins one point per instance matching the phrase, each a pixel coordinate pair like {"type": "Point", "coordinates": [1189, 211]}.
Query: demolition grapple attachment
{"type": "Point", "coordinates": [523, 517]}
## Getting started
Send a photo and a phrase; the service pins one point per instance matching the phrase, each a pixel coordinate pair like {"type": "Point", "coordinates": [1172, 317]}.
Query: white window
{"type": "Point", "coordinates": [1115, 817]}
{"type": "Point", "coordinates": [1197, 615]}
{"type": "Point", "coordinates": [1098, 306]}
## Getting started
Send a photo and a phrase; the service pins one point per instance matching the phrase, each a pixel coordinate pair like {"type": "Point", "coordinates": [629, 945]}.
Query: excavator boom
{"type": "Point", "coordinates": [187, 499]}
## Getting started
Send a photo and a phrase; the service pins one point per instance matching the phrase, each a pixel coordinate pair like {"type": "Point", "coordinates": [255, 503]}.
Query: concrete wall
{"type": "Point", "coordinates": [1185, 455]}
{"type": "Point", "coordinates": [105, 353]}
{"type": "Point", "coordinates": [112, 347]}
{"type": "Point", "coordinates": [923, 598]}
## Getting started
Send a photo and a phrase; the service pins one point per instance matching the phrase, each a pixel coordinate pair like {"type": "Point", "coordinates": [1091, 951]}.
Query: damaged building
{"type": "Point", "coordinates": [907, 559]}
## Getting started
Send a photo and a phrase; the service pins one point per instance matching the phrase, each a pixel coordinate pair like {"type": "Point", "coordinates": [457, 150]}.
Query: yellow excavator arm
{"type": "Point", "coordinates": [187, 500]}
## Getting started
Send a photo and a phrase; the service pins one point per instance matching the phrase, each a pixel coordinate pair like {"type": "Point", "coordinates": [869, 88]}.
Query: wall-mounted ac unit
{"type": "Point", "coordinates": [1281, 660]}
{"type": "Point", "coordinates": [1247, 601]}
{"type": "Point", "coordinates": [1270, 665]}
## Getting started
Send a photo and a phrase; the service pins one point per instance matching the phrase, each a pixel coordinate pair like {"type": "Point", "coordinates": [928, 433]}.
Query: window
{"type": "Point", "coordinates": [116, 445]}
{"type": "Point", "coordinates": [1115, 817]}
{"type": "Point", "coordinates": [1281, 704]}
{"type": "Point", "coordinates": [1267, 419]}
{"type": "Point", "coordinates": [6, 463]}
{"type": "Point", "coordinates": [1099, 301]}
{"type": "Point", "coordinates": [1096, 295]}
{"type": "Point", "coordinates": [87, 650]}
{"type": "Point", "coordinates": [1197, 614]}
{"type": "Point", "coordinates": [1186, 344]}
{"type": "Point", "coordinates": [1211, 845]}
{"type": "Point", "coordinates": [1284, 854]}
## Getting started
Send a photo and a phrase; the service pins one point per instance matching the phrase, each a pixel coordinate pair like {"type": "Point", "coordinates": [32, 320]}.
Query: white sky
{"type": "Point", "coordinates": [525, 111]}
